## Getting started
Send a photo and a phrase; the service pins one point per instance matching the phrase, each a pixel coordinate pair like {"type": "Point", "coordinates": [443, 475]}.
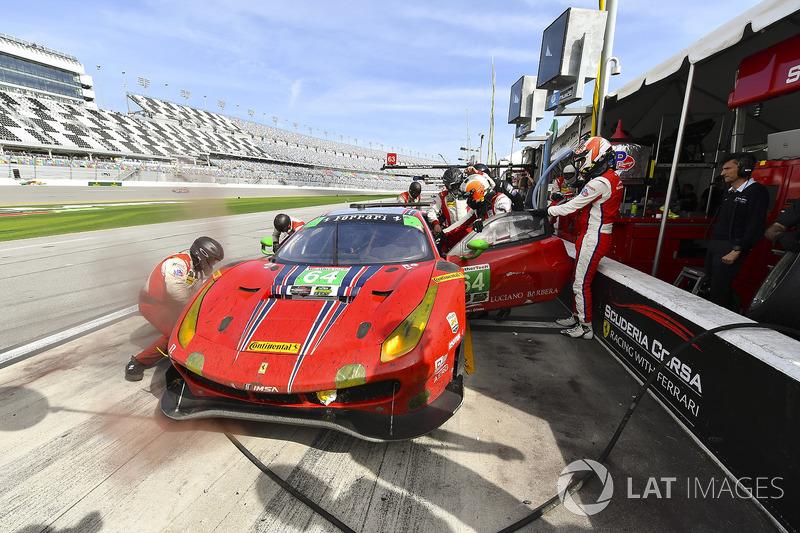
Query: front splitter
{"type": "Point", "coordinates": [179, 403]}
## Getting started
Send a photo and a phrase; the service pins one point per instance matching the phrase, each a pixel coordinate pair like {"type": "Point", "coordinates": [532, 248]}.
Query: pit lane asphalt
{"type": "Point", "coordinates": [82, 449]}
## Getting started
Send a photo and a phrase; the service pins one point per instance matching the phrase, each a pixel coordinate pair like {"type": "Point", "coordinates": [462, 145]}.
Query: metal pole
{"type": "Point", "coordinates": [673, 171]}
{"type": "Point", "coordinates": [608, 46]}
{"type": "Point", "coordinates": [714, 170]}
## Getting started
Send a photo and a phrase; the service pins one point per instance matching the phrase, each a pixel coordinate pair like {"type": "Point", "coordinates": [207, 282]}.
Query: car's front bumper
{"type": "Point", "coordinates": [179, 403]}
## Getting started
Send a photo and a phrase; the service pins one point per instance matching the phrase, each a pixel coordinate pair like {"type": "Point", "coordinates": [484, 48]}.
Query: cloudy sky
{"type": "Point", "coordinates": [411, 75]}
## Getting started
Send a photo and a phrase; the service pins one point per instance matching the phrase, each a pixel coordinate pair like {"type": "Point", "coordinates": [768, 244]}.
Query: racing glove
{"type": "Point", "coordinates": [541, 213]}
{"type": "Point", "coordinates": [789, 241]}
{"type": "Point", "coordinates": [275, 248]}
{"type": "Point", "coordinates": [478, 225]}
{"type": "Point", "coordinates": [556, 196]}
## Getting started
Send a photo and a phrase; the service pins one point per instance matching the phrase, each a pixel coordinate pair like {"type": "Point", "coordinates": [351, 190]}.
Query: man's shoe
{"type": "Point", "coordinates": [579, 331]}
{"type": "Point", "coordinates": [134, 371]}
{"type": "Point", "coordinates": [568, 322]}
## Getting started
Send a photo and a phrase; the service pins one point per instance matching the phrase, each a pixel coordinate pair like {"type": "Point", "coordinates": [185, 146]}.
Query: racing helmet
{"type": "Point", "coordinates": [205, 252]}
{"type": "Point", "coordinates": [414, 190]}
{"type": "Point", "coordinates": [282, 222]}
{"type": "Point", "coordinates": [593, 157]}
{"type": "Point", "coordinates": [483, 169]}
{"type": "Point", "coordinates": [569, 175]}
{"type": "Point", "coordinates": [452, 179]}
{"type": "Point", "coordinates": [474, 189]}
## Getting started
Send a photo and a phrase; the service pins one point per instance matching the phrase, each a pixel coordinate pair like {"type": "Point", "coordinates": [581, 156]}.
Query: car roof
{"type": "Point", "coordinates": [374, 209]}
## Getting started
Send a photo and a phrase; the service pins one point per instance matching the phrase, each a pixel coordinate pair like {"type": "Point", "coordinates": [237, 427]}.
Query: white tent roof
{"type": "Point", "coordinates": [727, 35]}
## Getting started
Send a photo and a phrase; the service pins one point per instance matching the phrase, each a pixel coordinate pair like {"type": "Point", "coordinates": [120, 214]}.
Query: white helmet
{"type": "Point", "coordinates": [593, 157]}
{"type": "Point", "coordinates": [569, 175]}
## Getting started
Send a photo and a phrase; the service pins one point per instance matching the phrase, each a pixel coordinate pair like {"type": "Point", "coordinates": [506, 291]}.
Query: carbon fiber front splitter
{"type": "Point", "coordinates": [179, 403]}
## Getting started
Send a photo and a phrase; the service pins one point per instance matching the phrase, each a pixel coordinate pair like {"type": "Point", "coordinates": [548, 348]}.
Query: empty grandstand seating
{"type": "Point", "coordinates": [226, 148]}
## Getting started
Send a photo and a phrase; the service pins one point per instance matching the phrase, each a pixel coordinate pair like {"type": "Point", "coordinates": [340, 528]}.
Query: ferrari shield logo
{"type": "Point", "coordinates": [263, 368]}
{"type": "Point", "coordinates": [606, 328]}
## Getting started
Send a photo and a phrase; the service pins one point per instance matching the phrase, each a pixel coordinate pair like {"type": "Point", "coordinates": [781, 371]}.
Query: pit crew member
{"type": "Point", "coordinates": [483, 201]}
{"type": "Point", "coordinates": [412, 195]}
{"type": "Point", "coordinates": [171, 284]}
{"type": "Point", "coordinates": [285, 226]}
{"type": "Point", "coordinates": [597, 206]}
{"type": "Point", "coordinates": [741, 221]}
{"type": "Point", "coordinates": [777, 232]}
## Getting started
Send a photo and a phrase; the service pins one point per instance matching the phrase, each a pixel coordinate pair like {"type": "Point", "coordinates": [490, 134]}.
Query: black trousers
{"type": "Point", "coordinates": [720, 276]}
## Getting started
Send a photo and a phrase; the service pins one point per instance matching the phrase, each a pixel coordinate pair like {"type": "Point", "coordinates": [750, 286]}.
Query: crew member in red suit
{"type": "Point", "coordinates": [412, 195]}
{"type": "Point", "coordinates": [170, 286]}
{"type": "Point", "coordinates": [445, 208]}
{"type": "Point", "coordinates": [484, 202]}
{"type": "Point", "coordinates": [597, 206]}
{"type": "Point", "coordinates": [285, 226]}
{"type": "Point", "coordinates": [563, 188]}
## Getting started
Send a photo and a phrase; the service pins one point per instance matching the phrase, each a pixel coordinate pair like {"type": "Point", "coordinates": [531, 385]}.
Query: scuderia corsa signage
{"type": "Point", "coordinates": [643, 337]}
{"type": "Point", "coordinates": [742, 408]}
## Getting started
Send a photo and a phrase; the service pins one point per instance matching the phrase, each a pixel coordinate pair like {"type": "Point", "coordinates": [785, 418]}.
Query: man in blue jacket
{"type": "Point", "coordinates": [740, 225]}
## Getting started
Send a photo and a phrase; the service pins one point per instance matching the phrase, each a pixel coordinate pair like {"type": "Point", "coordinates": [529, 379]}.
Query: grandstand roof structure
{"type": "Point", "coordinates": [47, 106]}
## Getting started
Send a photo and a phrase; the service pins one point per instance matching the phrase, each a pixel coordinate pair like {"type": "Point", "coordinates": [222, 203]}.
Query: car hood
{"type": "Point", "coordinates": [260, 315]}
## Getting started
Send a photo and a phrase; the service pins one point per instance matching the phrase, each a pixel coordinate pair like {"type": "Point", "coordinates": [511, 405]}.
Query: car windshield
{"type": "Point", "coordinates": [359, 239]}
{"type": "Point", "coordinates": [507, 228]}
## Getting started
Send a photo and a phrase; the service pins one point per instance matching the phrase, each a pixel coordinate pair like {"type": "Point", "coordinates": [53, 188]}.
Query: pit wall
{"type": "Point", "coordinates": [737, 392]}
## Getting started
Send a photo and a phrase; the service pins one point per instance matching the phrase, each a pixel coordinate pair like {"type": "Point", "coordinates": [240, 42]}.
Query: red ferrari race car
{"type": "Point", "coordinates": [355, 324]}
{"type": "Point", "coordinates": [514, 261]}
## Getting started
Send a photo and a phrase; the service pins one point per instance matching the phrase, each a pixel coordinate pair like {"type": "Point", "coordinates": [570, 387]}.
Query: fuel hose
{"type": "Point", "coordinates": [288, 488]}
{"type": "Point", "coordinates": [577, 481]}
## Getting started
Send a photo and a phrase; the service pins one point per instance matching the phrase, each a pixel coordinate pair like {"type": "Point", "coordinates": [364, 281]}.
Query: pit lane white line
{"type": "Point", "coordinates": [43, 244]}
{"type": "Point", "coordinates": [50, 340]}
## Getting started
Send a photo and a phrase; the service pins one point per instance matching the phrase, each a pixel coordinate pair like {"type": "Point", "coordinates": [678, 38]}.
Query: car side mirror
{"type": "Point", "coordinates": [266, 246]}
{"type": "Point", "coordinates": [478, 246]}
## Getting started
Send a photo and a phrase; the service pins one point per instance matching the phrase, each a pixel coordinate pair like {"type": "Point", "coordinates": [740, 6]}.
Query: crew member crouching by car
{"type": "Point", "coordinates": [170, 286]}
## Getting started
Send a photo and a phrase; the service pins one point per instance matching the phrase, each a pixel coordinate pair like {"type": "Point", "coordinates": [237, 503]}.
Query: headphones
{"type": "Point", "coordinates": [745, 164]}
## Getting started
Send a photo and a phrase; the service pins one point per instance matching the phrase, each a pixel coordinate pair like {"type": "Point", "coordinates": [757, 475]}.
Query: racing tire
{"type": "Point", "coordinates": [778, 294]}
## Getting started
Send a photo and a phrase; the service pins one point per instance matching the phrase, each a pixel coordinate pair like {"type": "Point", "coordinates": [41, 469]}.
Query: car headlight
{"type": "Point", "coordinates": [407, 335]}
{"type": "Point", "coordinates": [189, 325]}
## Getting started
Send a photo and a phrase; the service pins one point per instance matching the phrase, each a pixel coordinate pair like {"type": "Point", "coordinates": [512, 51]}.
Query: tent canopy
{"type": "Point", "coordinates": [658, 95]}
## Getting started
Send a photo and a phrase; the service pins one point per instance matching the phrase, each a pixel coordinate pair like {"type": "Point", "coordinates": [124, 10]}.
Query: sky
{"type": "Point", "coordinates": [409, 76]}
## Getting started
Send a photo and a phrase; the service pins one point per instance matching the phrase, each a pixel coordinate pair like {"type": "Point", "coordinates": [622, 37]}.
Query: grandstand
{"type": "Point", "coordinates": [49, 118]}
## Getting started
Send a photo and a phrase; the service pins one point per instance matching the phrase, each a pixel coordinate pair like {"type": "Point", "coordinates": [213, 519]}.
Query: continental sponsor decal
{"type": "Point", "coordinates": [276, 347]}
{"type": "Point", "coordinates": [448, 277]}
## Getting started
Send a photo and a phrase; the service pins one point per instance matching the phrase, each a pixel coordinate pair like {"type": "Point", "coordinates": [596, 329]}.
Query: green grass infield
{"type": "Point", "coordinates": [42, 220]}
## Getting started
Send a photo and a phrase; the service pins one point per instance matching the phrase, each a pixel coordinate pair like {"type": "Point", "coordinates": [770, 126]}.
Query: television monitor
{"type": "Point", "coordinates": [515, 104]}
{"type": "Point", "coordinates": [571, 48]}
{"type": "Point", "coordinates": [551, 55]}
